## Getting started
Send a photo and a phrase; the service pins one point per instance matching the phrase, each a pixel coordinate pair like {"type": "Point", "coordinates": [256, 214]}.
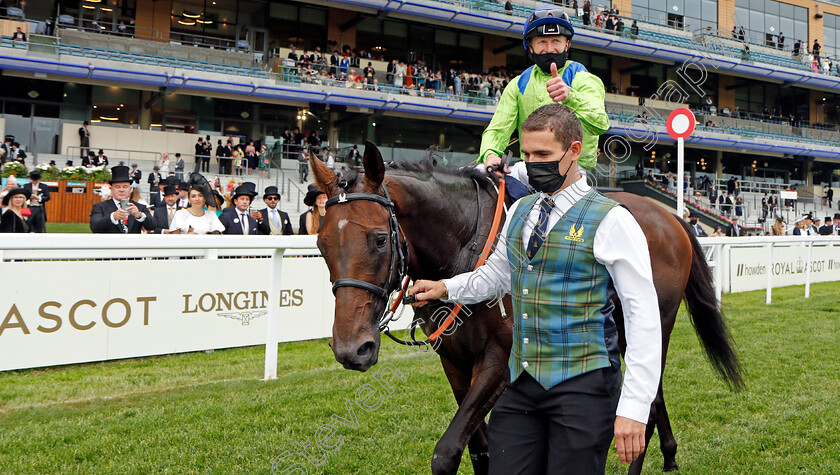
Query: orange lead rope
{"type": "Point", "coordinates": [482, 258]}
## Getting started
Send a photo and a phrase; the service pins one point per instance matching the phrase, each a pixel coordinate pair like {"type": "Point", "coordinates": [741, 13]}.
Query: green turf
{"type": "Point", "coordinates": [68, 228]}
{"type": "Point", "coordinates": [209, 413]}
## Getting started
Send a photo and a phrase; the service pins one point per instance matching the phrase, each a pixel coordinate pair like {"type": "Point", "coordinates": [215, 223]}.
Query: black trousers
{"type": "Point", "coordinates": [565, 430]}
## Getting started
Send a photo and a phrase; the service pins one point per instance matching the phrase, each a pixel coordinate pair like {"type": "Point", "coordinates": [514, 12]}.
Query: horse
{"type": "Point", "coordinates": [430, 222]}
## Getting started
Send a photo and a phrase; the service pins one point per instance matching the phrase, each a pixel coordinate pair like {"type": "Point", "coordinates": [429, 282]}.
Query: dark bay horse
{"type": "Point", "coordinates": [437, 225]}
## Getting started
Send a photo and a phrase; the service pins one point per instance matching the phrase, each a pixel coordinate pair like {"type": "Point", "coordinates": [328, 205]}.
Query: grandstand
{"type": "Point", "coordinates": [222, 68]}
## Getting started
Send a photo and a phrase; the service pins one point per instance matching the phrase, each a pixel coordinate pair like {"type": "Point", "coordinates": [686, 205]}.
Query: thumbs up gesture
{"type": "Point", "coordinates": [557, 89]}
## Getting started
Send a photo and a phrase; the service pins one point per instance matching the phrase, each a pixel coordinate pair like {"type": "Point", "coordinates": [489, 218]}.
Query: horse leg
{"type": "Point", "coordinates": [667, 442]}
{"type": "Point", "coordinates": [480, 391]}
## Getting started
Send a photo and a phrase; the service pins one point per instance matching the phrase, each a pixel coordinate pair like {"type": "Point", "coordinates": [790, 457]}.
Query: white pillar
{"type": "Point", "coordinates": [769, 273]}
{"type": "Point", "coordinates": [272, 337]}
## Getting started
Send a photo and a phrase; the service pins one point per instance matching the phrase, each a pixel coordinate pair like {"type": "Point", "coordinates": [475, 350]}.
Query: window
{"type": "Point", "coordinates": [689, 14]}
{"type": "Point", "coordinates": [764, 20]}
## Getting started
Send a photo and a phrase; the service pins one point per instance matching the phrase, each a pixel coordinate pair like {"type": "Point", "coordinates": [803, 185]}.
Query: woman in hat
{"type": "Point", "coordinates": [12, 220]}
{"type": "Point", "coordinates": [195, 219]}
{"type": "Point", "coordinates": [164, 165]}
{"type": "Point", "coordinates": [262, 162]}
{"type": "Point", "coordinates": [778, 228]}
{"type": "Point", "coordinates": [312, 221]}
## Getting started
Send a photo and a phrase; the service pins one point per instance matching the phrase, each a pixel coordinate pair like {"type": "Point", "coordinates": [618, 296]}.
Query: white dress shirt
{"type": "Point", "coordinates": [621, 246]}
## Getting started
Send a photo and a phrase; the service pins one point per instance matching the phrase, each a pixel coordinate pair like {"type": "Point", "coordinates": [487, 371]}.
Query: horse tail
{"type": "Point", "coordinates": [706, 316]}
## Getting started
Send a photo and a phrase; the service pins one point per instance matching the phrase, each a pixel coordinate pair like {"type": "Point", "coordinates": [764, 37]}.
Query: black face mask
{"type": "Point", "coordinates": [543, 61]}
{"type": "Point", "coordinates": [545, 177]}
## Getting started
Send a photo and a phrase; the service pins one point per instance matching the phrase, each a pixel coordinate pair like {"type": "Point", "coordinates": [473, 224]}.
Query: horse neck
{"type": "Point", "coordinates": [439, 223]}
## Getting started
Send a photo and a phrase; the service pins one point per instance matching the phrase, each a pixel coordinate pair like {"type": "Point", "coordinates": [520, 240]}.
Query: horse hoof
{"type": "Point", "coordinates": [670, 468]}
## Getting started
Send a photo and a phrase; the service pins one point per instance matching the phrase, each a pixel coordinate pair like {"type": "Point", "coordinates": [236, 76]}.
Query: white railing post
{"type": "Point", "coordinates": [272, 337]}
{"type": "Point", "coordinates": [769, 247]}
{"type": "Point", "coordinates": [718, 272]}
{"type": "Point", "coordinates": [211, 254]}
{"type": "Point", "coordinates": [808, 271]}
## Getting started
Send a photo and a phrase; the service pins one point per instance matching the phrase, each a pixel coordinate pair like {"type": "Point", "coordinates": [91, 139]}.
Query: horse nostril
{"type": "Point", "coordinates": [366, 348]}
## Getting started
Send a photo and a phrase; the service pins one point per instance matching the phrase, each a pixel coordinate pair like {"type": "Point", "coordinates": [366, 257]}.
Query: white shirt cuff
{"type": "Point", "coordinates": [633, 410]}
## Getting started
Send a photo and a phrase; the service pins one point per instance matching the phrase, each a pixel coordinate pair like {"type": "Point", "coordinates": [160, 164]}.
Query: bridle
{"type": "Point", "coordinates": [399, 247]}
{"type": "Point", "coordinates": [399, 262]}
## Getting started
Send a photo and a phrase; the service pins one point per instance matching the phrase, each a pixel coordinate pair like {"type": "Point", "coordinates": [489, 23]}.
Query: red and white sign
{"type": "Point", "coordinates": [680, 123]}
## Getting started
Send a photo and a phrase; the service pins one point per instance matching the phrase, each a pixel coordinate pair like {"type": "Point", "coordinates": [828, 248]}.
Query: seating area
{"type": "Point", "coordinates": [154, 60]}
{"type": "Point", "coordinates": [625, 117]}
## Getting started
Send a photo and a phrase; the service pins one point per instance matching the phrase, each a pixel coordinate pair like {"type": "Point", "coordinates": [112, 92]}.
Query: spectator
{"type": "Point", "coordinates": [735, 230]}
{"type": "Point", "coordinates": [797, 47]}
{"type": "Point", "coordinates": [836, 223]}
{"type": "Point", "coordinates": [508, 8]}
{"type": "Point", "coordinates": [164, 213]}
{"type": "Point", "coordinates": [262, 161]}
{"type": "Point", "coordinates": [369, 73]}
{"type": "Point", "coordinates": [725, 203]}
{"type": "Point", "coordinates": [119, 215]}
{"type": "Point", "coordinates": [199, 153]}
{"type": "Point", "coordinates": [303, 166]}
{"type": "Point", "coordinates": [829, 196]}
{"type": "Point", "coordinates": [329, 158]}
{"type": "Point", "coordinates": [717, 233]}
{"type": "Point", "coordinates": [694, 218]}
{"type": "Point", "coordinates": [739, 206]}
{"type": "Point", "coordinates": [154, 181]}
{"type": "Point", "coordinates": [778, 228]}
{"type": "Point", "coordinates": [741, 34]}
{"type": "Point", "coordinates": [781, 43]}
{"type": "Point", "coordinates": [730, 185]}
{"type": "Point", "coordinates": [164, 165]}
{"type": "Point", "coordinates": [640, 168]}
{"type": "Point", "coordinates": [136, 175]}
{"type": "Point", "coordinates": [734, 33]}
{"type": "Point", "coordinates": [101, 159]}
{"type": "Point", "coordinates": [84, 140]}
{"type": "Point", "coordinates": [183, 194]}
{"type": "Point", "coordinates": [826, 229]}
{"type": "Point", "coordinates": [800, 229]}
{"type": "Point", "coordinates": [619, 25]}
{"type": "Point", "coordinates": [179, 166]}
{"type": "Point", "coordinates": [13, 220]}
{"type": "Point", "coordinates": [587, 11]}
{"type": "Point", "coordinates": [238, 159]}
{"type": "Point", "coordinates": [195, 219]}
{"type": "Point", "coordinates": [17, 154]}
{"type": "Point", "coordinates": [392, 69]}
{"type": "Point", "coordinates": [610, 23]}
{"type": "Point", "coordinates": [312, 220]}
{"type": "Point", "coordinates": [39, 194]}
{"type": "Point", "coordinates": [19, 35]}
{"type": "Point", "coordinates": [354, 158]}
{"type": "Point", "coordinates": [634, 30]}
{"type": "Point", "coordinates": [274, 222]}
{"type": "Point", "coordinates": [251, 157]}
{"type": "Point", "coordinates": [765, 206]}
{"type": "Point", "coordinates": [239, 220]}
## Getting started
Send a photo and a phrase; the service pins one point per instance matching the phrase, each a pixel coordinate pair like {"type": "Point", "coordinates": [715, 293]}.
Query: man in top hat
{"type": "Point", "coordinates": [274, 222]}
{"type": "Point", "coordinates": [69, 163]}
{"type": "Point", "coordinates": [827, 229]}
{"type": "Point", "coordinates": [183, 192]}
{"type": "Point", "coordinates": [238, 219]}
{"type": "Point", "coordinates": [101, 159]}
{"type": "Point", "coordinates": [89, 160]}
{"type": "Point", "coordinates": [809, 226]}
{"type": "Point", "coordinates": [136, 175]}
{"type": "Point", "coordinates": [120, 214]}
{"type": "Point", "coordinates": [179, 166]}
{"type": "Point", "coordinates": [165, 212]}
{"type": "Point", "coordinates": [84, 139]}
{"type": "Point", "coordinates": [39, 195]}
{"type": "Point", "coordinates": [694, 219]}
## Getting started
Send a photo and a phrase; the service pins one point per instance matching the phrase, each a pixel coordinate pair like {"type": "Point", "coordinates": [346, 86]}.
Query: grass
{"type": "Point", "coordinates": [209, 413]}
{"type": "Point", "coordinates": [68, 228]}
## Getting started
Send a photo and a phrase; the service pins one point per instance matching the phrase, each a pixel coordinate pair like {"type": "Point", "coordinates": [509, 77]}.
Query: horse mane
{"type": "Point", "coordinates": [427, 168]}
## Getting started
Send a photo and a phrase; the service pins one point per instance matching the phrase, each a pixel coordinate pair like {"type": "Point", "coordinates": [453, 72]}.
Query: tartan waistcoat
{"type": "Point", "coordinates": [562, 297]}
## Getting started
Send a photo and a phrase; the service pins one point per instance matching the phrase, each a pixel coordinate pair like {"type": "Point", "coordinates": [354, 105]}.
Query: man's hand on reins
{"type": "Point", "coordinates": [426, 290]}
{"type": "Point", "coordinates": [494, 164]}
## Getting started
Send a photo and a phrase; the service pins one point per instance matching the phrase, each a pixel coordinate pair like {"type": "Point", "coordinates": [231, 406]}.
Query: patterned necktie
{"type": "Point", "coordinates": [275, 218]}
{"type": "Point", "coordinates": [538, 234]}
{"type": "Point", "coordinates": [244, 223]}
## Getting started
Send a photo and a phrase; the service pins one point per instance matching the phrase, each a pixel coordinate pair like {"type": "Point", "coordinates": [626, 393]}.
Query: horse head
{"type": "Point", "coordinates": [360, 244]}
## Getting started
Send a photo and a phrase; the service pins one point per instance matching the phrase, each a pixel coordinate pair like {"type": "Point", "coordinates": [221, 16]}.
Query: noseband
{"type": "Point", "coordinates": [399, 245]}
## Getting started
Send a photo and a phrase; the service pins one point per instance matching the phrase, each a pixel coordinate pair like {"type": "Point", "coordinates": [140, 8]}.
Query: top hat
{"type": "Point", "coordinates": [35, 175]}
{"type": "Point", "coordinates": [271, 191]}
{"type": "Point", "coordinates": [16, 191]}
{"type": "Point", "coordinates": [245, 189]}
{"type": "Point", "coordinates": [119, 174]}
{"type": "Point", "coordinates": [836, 215]}
{"type": "Point", "coordinates": [312, 195]}
{"type": "Point", "coordinates": [170, 190]}
{"type": "Point", "coordinates": [184, 186]}
{"type": "Point", "coordinates": [69, 163]}
{"type": "Point", "coordinates": [52, 162]}
{"type": "Point", "coordinates": [827, 219]}
{"type": "Point", "coordinates": [693, 214]}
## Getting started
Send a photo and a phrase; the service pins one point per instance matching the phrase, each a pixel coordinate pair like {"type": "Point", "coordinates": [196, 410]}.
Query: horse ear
{"type": "Point", "coordinates": [374, 166]}
{"type": "Point", "coordinates": [325, 178]}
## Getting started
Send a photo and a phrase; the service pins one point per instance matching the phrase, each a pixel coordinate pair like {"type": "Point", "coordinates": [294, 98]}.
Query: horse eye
{"type": "Point", "coordinates": [381, 240]}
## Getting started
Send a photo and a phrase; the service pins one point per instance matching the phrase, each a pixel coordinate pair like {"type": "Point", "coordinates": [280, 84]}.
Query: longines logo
{"type": "Point", "coordinates": [243, 305]}
{"type": "Point", "coordinates": [244, 317]}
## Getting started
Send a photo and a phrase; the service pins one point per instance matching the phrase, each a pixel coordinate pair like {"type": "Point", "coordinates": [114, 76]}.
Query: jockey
{"type": "Point", "coordinates": [547, 38]}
